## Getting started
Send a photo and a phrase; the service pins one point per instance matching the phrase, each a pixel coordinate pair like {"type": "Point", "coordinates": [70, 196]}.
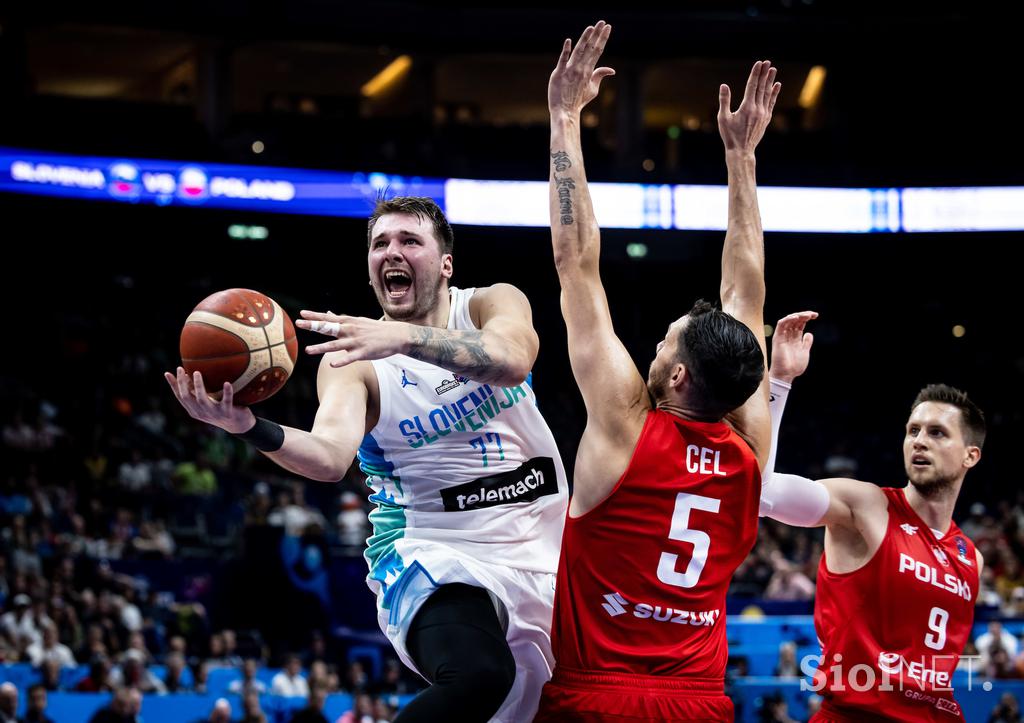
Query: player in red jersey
{"type": "Point", "coordinates": [668, 471]}
{"type": "Point", "coordinates": [898, 581]}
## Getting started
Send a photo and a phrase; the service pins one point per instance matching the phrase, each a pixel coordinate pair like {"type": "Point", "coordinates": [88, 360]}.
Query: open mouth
{"type": "Point", "coordinates": [397, 283]}
{"type": "Point", "coordinates": [920, 461]}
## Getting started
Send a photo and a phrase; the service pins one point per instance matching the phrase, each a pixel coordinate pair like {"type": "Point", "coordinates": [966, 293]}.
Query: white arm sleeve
{"type": "Point", "coordinates": [794, 500]}
{"type": "Point", "coordinates": [778, 394]}
{"type": "Point", "coordinates": [789, 498]}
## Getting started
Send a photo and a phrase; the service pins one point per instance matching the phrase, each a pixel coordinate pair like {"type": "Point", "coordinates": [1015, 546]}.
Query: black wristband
{"type": "Point", "coordinates": [266, 436]}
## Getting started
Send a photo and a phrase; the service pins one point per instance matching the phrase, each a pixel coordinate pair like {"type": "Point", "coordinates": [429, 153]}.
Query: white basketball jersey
{"type": "Point", "coordinates": [468, 464]}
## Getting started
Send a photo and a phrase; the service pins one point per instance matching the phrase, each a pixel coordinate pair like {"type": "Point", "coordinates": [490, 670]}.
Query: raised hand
{"type": "Point", "coordinates": [744, 129]}
{"type": "Point", "coordinates": [356, 338]}
{"type": "Point", "coordinates": [791, 347]}
{"type": "Point", "coordinates": [192, 395]}
{"type": "Point", "coordinates": [575, 81]}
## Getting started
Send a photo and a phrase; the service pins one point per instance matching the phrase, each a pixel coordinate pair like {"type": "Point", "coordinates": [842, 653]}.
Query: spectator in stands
{"type": "Point", "coordinates": [289, 682]}
{"type": "Point", "coordinates": [177, 644]}
{"type": "Point", "coordinates": [215, 657]}
{"type": "Point", "coordinates": [120, 710]}
{"type": "Point", "coordinates": [987, 595]}
{"type": "Point", "coordinates": [35, 712]}
{"type": "Point", "coordinates": [98, 680]}
{"type": "Point", "coordinates": [353, 525]}
{"type": "Point", "coordinates": [173, 680]}
{"type": "Point", "coordinates": [383, 711]}
{"type": "Point", "coordinates": [137, 648]}
{"type": "Point", "coordinates": [230, 657]}
{"type": "Point", "coordinates": [248, 681]}
{"type": "Point", "coordinates": [996, 638]}
{"type": "Point", "coordinates": [1000, 664]}
{"type": "Point", "coordinates": [975, 523]}
{"type": "Point", "coordinates": [20, 622]}
{"type": "Point", "coordinates": [392, 682]}
{"type": "Point", "coordinates": [362, 710]}
{"type": "Point", "coordinates": [1015, 607]}
{"type": "Point", "coordinates": [251, 711]}
{"type": "Point", "coordinates": [1008, 710]}
{"type": "Point", "coordinates": [1010, 577]}
{"type": "Point", "coordinates": [8, 703]}
{"type": "Point", "coordinates": [201, 674]}
{"type": "Point", "coordinates": [69, 630]}
{"type": "Point", "coordinates": [788, 583]}
{"type": "Point", "coordinates": [135, 474]}
{"type": "Point", "coordinates": [49, 648]}
{"type": "Point", "coordinates": [313, 712]}
{"type": "Point", "coordinates": [319, 675]}
{"type": "Point", "coordinates": [94, 645]}
{"type": "Point", "coordinates": [153, 541]}
{"type": "Point", "coordinates": [258, 506]}
{"type": "Point", "coordinates": [132, 672]}
{"type": "Point", "coordinates": [221, 712]}
{"type": "Point", "coordinates": [50, 674]}
{"type": "Point", "coordinates": [356, 678]}
{"type": "Point", "coordinates": [196, 478]}
{"type": "Point", "coordinates": [134, 705]}
{"type": "Point", "coordinates": [787, 666]}
{"type": "Point", "coordinates": [294, 514]}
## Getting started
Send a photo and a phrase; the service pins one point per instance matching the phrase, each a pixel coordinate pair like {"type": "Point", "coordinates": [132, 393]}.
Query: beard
{"type": "Point", "coordinates": [932, 486]}
{"type": "Point", "coordinates": [657, 382]}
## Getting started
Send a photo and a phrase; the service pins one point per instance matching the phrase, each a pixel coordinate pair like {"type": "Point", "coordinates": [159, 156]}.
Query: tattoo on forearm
{"type": "Point", "coordinates": [561, 160]}
{"type": "Point", "coordinates": [464, 355]}
{"type": "Point", "coordinates": [563, 185]}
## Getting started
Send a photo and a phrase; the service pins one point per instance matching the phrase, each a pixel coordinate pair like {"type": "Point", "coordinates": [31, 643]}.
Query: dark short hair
{"type": "Point", "coordinates": [421, 207]}
{"type": "Point", "coordinates": [723, 357]}
{"type": "Point", "coordinates": [972, 420]}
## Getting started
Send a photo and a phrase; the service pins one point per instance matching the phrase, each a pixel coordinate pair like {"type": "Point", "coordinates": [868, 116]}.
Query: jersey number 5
{"type": "Point", "coordinates": [681, 531]}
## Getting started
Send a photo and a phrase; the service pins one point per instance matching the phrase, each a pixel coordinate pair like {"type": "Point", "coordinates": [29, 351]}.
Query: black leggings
{"type": "Point", "coordinates": [457, 642]}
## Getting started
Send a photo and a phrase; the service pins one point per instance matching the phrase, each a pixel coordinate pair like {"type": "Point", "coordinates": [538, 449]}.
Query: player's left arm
{"type": "Point", "coordinates": [981, 561]}
{"type": "Point", "coordinates": [743, 287]}
{"type": "Point", "coordinates": [501, 351]}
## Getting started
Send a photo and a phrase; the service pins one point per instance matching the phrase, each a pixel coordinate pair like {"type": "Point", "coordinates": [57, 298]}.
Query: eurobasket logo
{"type": "Point", "coordinates": [123, 181]}
{"type": "Point", "coordinates": [193, 186]}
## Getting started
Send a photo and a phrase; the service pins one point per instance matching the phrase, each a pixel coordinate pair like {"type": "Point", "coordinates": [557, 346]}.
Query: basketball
{"type": "Point", "coordinates": [243, 337]}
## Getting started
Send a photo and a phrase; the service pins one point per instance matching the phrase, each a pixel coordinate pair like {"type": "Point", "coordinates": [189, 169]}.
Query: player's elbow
{"type": "Point", "coordinates": [327, 472]}
{"type": "Point", "coordinates": [513, 370]}
{"type": "Point", "coordinates": [330, 464]}
{"type": "Point", "coordinates": [514, 375]}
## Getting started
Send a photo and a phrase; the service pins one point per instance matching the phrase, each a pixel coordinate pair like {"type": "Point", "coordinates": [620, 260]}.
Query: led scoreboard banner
{"type": "Point", "coordinates": [504, 203]}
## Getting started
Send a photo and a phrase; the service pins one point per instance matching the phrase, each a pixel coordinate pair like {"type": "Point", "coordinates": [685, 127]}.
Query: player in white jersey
{"type": "Point", "coordinates": [470, 492]}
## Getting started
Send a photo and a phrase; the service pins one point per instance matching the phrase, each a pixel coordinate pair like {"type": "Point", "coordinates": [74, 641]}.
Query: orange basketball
{"type": "Point", "coordinates": [243, 337]}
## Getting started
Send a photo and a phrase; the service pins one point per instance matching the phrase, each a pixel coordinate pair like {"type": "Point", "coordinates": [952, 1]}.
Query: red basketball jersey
{"type": "Point", "coordinates": [892, 632]}
{"type": "Point", "coordinates": [643, 576]}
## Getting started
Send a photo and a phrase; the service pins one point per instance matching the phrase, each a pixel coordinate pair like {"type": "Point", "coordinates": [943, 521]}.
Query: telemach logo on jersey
{"type": "Point", "coordinates": [528, 482]}
{"type": "Point", "coordinates": [448, 384]}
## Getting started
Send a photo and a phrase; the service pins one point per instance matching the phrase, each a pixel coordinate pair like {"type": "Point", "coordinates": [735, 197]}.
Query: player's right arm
{"type": "Point", "coordinates": [743, 287]}
{"type": "Point", "coordinates": [324, 453]}
{"type": "Point", "coordinates": [613, 391]}
{"type": "Point", "coordinates": [840, 503]}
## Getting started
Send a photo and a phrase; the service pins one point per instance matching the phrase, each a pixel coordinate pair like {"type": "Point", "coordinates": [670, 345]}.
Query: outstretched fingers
{"type": "Point", "coordinates": [724, 100]}
{"type": "Point", "coordinates": [750, 91]}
